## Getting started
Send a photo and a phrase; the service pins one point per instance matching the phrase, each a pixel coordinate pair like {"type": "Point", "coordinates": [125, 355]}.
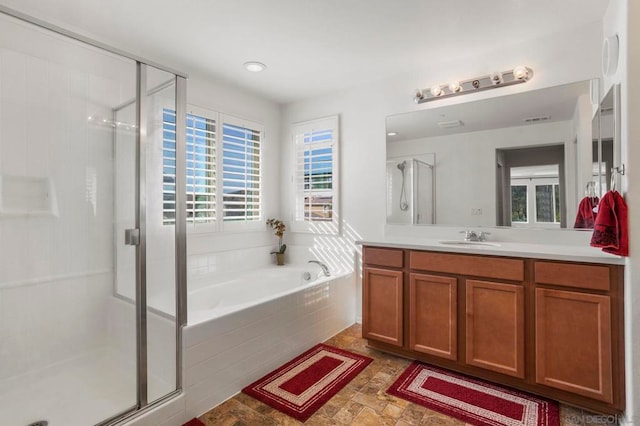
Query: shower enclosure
{"type": "Point", "coordinates": [410, 191]}
{"type": "Point", "coordinates": [87, 162]}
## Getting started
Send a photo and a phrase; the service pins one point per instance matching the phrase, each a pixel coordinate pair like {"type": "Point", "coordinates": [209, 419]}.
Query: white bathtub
{"type": "Point", "coordinates": [240, 327]}
{"type": "Point", "coordinates": [227, 294]}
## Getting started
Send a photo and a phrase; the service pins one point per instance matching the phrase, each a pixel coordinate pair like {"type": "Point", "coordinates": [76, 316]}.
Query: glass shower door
{"type": "Point", "coordinates": [88, 296]}
{"type": "Point", "coordinates": [65, 340]}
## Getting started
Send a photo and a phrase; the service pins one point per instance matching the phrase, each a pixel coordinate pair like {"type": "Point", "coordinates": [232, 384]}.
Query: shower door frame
{"type": "Point", "coordinates": [142, 404]}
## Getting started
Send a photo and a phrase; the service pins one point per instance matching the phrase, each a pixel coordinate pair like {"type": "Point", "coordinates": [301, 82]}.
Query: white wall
{"type": "Point", "coordinates": [556, 59]}
{"type": "Point", "coordinates": [206, 251]}
{"type": "Point", "coordinates": [623, 17]}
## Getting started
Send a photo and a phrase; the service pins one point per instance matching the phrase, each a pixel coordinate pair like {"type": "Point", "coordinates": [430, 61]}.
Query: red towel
{"type": "Point", "coordinates": [586, 217]}
{"type": "Point", "coordinates": [611, 231]}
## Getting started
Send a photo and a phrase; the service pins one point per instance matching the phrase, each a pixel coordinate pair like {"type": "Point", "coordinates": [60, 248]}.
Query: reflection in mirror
{"type": "Point", "coordinates": [531, 187]}
{"type": "Point", "coordinates": [410, 190]}
{"type": "Point", "coordinates": [517, 160]}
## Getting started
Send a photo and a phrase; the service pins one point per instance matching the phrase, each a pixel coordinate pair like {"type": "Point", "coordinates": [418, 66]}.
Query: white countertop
{"type": "Point", "coordinates": [510, 249]}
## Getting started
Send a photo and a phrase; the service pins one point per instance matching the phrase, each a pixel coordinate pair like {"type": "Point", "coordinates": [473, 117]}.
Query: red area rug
{"type": "Point", "coordinates": [472, 401]}
{"type": "Point", "coordinates": [194, 422]}
{"type": "Point", "coordinates": [301, 386]}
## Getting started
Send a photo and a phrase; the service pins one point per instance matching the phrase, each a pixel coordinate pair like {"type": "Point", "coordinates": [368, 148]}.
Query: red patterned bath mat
{"type": "Point", "coordinates": [194, 422]}
{"type": "Point", "coordinates": [301, 386]}
{"type": "Point", "coordinates": [472, 401]}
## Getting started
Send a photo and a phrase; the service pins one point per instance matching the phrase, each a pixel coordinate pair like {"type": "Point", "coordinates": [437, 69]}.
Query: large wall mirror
{"type": "Point", "coordinates": [519, 160]}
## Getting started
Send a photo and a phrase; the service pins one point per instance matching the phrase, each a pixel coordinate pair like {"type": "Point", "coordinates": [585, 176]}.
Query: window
{"type": "Point", "coordinates": [548, 203]}
{"type": "Point", "coordinates": [315, 175]}
{"type": "Point", "coordinates": [201, 162]}
{"type": "Point", "coordinates": [241, 183]}
{"type": "Point", "coordinates": [519, 203]}
{"type": "Point", "coordinates": [535, 196]}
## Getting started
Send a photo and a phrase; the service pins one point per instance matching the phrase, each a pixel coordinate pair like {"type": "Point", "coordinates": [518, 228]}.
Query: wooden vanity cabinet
{"type": "Point", "coordinates": [433, 315]}
{"type": "Point", "coordinates": [548, 327]}
{"type": "Point", "coordinates": [577, 356]}
{"type": "Point", "coordinates": [382, 295]}
{"type": "Point", "coordinates": [495, 327]}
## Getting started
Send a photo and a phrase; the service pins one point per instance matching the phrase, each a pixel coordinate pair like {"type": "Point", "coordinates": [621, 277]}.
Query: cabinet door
{"type": "Point", "coordinates": [495, 327]}
{"type": "Point", "coordinates": [573, 342]}
{"type": "Point", "coordinates": [433, 315]}
{"type": "Point", "coordinates": [382, 305]}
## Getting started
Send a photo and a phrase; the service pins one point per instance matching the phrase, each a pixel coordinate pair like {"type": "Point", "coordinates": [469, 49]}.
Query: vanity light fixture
{"type": "Point", "coordinates": [454, 87]}
{"type": "Point", "coordinates": [392, 134]}
{"type": "Point", "coordinates": [436, 91]}
{"type": "Point", "coordinates": [496, 78]}
{"type": "Point", "coordinates": [517, 75]}
{"type": "Point", "coordinates": [254, 66]}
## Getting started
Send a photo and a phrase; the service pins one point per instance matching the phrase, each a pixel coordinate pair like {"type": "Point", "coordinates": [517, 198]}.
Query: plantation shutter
{"type": "Point", "coordinates": [241, 181]}
{"type": "Point", "coordinates": [315, 172]}
{"type": "Point", "coordinates": [201, 163]}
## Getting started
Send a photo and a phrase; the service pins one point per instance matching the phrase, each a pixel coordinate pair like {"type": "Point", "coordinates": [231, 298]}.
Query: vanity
{"type": "Point", "coordinates": [529, 317]}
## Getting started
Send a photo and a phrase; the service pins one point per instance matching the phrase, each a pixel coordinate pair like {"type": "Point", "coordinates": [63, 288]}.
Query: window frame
{"type": "Point", "coordinates": [241, 226]}
{"type": "Point", "coordinates": [219, 224]}
{"type": "Point", "coordinates": [317, 227]}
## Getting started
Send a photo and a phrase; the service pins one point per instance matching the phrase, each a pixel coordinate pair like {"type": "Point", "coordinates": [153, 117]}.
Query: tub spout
{"type": "Point", "coordinates": [325, 268]}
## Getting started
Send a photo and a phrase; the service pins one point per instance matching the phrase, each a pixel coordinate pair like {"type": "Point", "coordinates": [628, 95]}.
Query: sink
{"type": "Point", "coordinates": [463, 243]}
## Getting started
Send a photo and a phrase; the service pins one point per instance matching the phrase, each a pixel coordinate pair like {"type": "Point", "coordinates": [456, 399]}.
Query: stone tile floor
{"type": "Point", "coordinates": [362, 402]}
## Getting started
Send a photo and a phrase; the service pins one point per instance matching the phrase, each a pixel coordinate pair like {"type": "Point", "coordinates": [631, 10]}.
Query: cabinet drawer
{"type": "Point", "coordinates": [591, 277]}
{"type": "Point", "coordinates": [478, 266]}
{"type": "Point", "coordinates": [391, 258]}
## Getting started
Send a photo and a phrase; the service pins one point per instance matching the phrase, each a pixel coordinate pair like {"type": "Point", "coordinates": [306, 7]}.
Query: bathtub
{"type": "Point", "coordinates": [229, 294]}
{"type": "Point", "coordinates": [240, 327]}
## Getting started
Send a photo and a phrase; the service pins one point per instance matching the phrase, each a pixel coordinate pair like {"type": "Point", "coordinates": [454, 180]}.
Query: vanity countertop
{"type": "Point", "coordinates": [570, 253]}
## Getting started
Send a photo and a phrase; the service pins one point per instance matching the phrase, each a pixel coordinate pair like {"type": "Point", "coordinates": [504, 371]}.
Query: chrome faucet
{"type": "Point", "coordinates": [470, 235]}
{"type": "Point", "coordinates": [325, 268]}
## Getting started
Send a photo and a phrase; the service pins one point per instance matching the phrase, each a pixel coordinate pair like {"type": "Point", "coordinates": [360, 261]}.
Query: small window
{"type": "Point", "coordinates": [201, 166]}
{"type": "Point", "coordinates": [548, 203]}
{"type": "Point", "coordinates": [519, 203]}
{"type": "Point", "coordinates": [315, 175]}
{"type": "Point", "coordinates": [241, 180]}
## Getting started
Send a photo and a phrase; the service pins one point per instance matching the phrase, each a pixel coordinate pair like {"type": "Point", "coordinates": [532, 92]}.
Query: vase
{"type": "Point", "coordinates": [279, 259]}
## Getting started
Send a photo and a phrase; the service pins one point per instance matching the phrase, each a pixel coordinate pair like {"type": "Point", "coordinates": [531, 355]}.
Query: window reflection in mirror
{"type": "Point", "coordinates": [535, 176]}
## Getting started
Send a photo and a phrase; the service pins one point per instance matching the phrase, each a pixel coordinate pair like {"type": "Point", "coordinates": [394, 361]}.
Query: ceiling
{"type": "Point", "coordinates": [311, 47]}
{"type": "Point", "coordinates": [554, 103]}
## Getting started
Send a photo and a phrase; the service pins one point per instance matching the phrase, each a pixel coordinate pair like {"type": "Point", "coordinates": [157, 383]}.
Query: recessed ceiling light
{"type": "Point", "coordinates": [392, 134]}
{"type": "Point", "coordinates": [254, 66]}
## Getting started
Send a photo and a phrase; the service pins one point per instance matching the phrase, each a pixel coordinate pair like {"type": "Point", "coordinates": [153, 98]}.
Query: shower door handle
{"type": "Point", "coordinates": [132, 237]}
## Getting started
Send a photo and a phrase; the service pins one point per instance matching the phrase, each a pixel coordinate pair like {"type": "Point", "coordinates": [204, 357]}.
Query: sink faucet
{"type": "Point", "coordinates": [470, 235]}
{"type": "Point", "coordinates": [325, 268]}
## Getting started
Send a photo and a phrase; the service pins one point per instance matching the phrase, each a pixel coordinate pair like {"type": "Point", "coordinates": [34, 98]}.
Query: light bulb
{"type": "Point", "coordinates": [418, 96]}
{"type": "Point", "coordinates": [436, 90]}
{"type": "Point", "coordinates": [455, 87]}
{"type": "Point", "coordinates": [520, 72]}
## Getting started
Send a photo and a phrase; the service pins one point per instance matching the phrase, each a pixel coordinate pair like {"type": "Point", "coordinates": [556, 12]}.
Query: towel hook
{"type": "Point", "coordinates": [619, 170]}
{"type": "Point", "coordinates": [612, 187]}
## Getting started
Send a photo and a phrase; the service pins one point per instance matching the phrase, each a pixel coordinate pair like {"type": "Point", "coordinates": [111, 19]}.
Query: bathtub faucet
{"type": "Point", "coordinates": [325, 268]}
